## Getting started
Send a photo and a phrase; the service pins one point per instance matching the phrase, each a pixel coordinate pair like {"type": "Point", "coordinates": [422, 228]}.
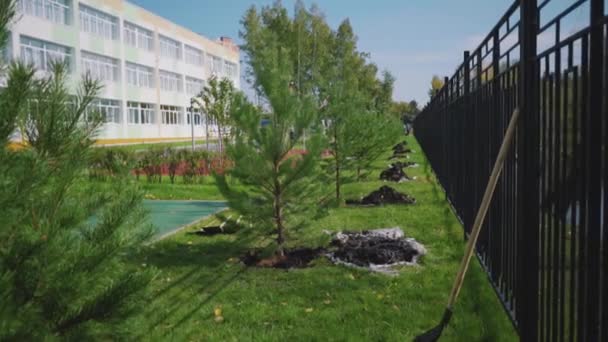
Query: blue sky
{"type": "Point", "coordinates": [413, 39]}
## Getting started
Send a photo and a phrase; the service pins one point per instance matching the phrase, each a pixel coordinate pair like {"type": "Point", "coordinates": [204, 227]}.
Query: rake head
{"type": "Point", "coordinates": [434, 334]}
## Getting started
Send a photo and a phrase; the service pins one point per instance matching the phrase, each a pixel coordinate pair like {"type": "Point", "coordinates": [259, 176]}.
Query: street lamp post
{"type": "Point", "coordinates": [192, 121]}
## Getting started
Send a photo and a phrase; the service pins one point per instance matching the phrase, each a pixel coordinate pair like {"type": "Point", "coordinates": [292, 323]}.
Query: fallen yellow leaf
{"type": "Point", "coordinates": [217, 312]}
{"type": "Point", "coordinates": [309, 309]}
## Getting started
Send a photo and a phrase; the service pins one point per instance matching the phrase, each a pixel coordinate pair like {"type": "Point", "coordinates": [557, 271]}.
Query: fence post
{"type": "Point", "coordinates": [463, 145]}
{"type": "Point", "coordinates": [528, 155]}
{"type": "Point", "coordinates": [593, 151]}
{"type": "Point", "coordinates": [446, 164]}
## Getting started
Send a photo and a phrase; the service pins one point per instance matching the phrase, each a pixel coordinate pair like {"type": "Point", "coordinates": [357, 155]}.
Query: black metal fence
{"type": "Point", "coordinates": [545, 241]}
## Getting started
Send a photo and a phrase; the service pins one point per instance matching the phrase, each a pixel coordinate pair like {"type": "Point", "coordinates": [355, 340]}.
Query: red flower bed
{"type": "Point", "coordinates": [201, 168]}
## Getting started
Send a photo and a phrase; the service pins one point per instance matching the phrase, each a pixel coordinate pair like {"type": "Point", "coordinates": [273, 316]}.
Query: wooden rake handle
{"type": "Point", "coordinates": [483, 208]}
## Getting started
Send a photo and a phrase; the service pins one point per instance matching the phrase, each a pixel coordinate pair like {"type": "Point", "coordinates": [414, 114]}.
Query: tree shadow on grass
{"type": "Point", "coordinates": [480, 299]}
{"type": "Point", "coordinates": [213, 266]}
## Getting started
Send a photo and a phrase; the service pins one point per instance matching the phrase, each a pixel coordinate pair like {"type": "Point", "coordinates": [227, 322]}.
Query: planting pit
{"type": "Point", "coordinates": [380, 250]}
{"type": "Point", "coordinates": [400, 147]}
{"type": "Point", "coordinates": [404, 164]}
{"type": "Point", "coordinates": [384, 195]}
{"type": "Point", "coordinates": [214, 230]}
{"type": "Point", "coordinates": [296, 258]}
{"type": "Point", "coordinates": [394, 173]}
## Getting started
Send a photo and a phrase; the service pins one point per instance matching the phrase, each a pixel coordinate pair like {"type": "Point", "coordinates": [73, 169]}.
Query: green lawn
{"type": "Point", "coordinates": [201, 190]}
{"type": "Point", "coordinates": [324, 302]}
{"type": "Point", "coordinates": [136, 147]}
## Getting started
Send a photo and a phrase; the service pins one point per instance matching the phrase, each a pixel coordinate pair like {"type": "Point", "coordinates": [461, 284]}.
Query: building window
{"type": "Point", "coordinates": [194, 56]}
{"type": "Point", "coordinates": [140, 75]}
{"type": "Point", "coordinates": [215, 64]}
{"type": "Point", "coordinates": [109, 110]}
{"type": "Point", "coordinates": [6, 53]}
{"type": "Point", "coordinates": [230, 69]}
{"type": "Point", "coordinates": [100, 67]}
{"type": "Point", "coordinates": [41, 53]}
{"type": "Point", "coordinates": [98, 23]}
{"type": "Point", "coordinates": [138, 37]}
{"type": "Point", "coordinates": [171, 115]}
{"type": "Point", "coordinates": [170, 48]}
{"type": "Point", "coordinates": [194, 85]}
{"type": "Point", "coordinates": [140, 113]}
{"type": "Point", "coordinates": [197, 118]}
{"type": "Point", "coordinates": [170, 81]}
{"type": "Point", "coordinates": [57, 11]}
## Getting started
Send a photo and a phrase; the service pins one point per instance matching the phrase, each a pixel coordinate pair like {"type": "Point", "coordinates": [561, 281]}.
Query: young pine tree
{"type": "Point", "coordinates": [345, 99]}
{"type": "Point", "coordinates": [63, 274]}
{"type": "Point", "coordinates": [282, 184]}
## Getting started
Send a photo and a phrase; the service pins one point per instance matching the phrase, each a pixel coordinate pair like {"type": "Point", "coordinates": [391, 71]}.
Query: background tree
{"type": "Point", "coordinates": [215, 100]}
{"type": "Point", "coordinates": [344, 98]}
{"type": "Point", "coordinates": [414, 110]}
{"type": "Point", "coordinates": [436, 85]}
{"type": "Point", "coordinates": [384, 95]}
{"type": "Point", "coordinates": [400, 109]}
{"type": "Point", "coordinates": [405, 112]}
{"type": "Point", "coordinates": [368, 137]}
{"type": "Point", "coordinates": [62, 274]}
{"type": "Point", "coordinates": [307, 37]}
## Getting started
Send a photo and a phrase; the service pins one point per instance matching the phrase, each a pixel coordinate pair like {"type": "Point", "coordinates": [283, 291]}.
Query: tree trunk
{"type": "Point", "coordinates": [207, 132]}
{"type": "Point", "coordinates": [221, 142]}
{"type": "Point", "coordinates": [337, 156]}
{"type": "Point", "coordinates": [207, 142]}
{"type": "Point", "coordinates": [337, 178]}
{"type": "Point", "coordinates": [278, 217]}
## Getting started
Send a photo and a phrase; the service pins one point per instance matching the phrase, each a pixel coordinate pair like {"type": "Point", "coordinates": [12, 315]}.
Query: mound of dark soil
{"type": "Point", "coordinates": [394, 174]}
{"type": "Point", "coordinates": [400, 155]}
{"type": "Point", "coordinates": [400, 147]}
{"type": "Point", "coordinates": [403, 165]}
{"type": "Point", "coordinates": [378, 250]}
{"type": "Point", "coordinates": [364, 251]}
{"type": "Point", "coordinates": [214, 230]}
{"type": "Point", "coordinates": [384, 195]}
{"type": "Point", "coordinates": [296, 258]}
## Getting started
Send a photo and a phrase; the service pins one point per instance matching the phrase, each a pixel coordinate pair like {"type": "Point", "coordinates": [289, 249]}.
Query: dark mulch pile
{"type": "Point", "coordinates": [399, 155]}
{"type": "Point", "coordinates": [403, 165]}
{"type": "Point", "coordinates": [394, 173]}
{"type": "Point", "coordinates": [400, 151]}
{"type": "Point", "coordinates": [297, 258]}
{"type": "Point", "coordinates": [367, 249]}
{"type": "Point", "coordinates": [400, 147]}
{"type": "Point", "coordinates": [214, 230]}
{"type": "Point", "coordinates": [384, 195]}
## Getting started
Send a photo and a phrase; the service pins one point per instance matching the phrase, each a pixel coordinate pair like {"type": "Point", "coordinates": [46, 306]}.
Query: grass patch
{"type": "Point", "coordinates": [325, 302]}
{"type": "Point", "coordinates": [145, 146]}
{"type": "Point", "coordinates": [205, 188]}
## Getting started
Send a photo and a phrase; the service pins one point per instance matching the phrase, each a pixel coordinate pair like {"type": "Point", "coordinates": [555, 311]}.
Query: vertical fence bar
{"type": "Point", "coordinates": [496, 136]}
{"type": "Point", "coordinates": [528, 173]}
{"type": "Point", "coordinates": [593, 158]}
{"type": "Point", "coordinates": [448, 94]}
{"type": "Point", "coordinates": [604, 259]}
{"type": "Point", "coordinates": [466, 106]}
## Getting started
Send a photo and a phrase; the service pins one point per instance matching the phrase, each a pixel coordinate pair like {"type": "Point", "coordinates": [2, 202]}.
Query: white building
{"type": "Point", "coordinates": [150, 67]}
